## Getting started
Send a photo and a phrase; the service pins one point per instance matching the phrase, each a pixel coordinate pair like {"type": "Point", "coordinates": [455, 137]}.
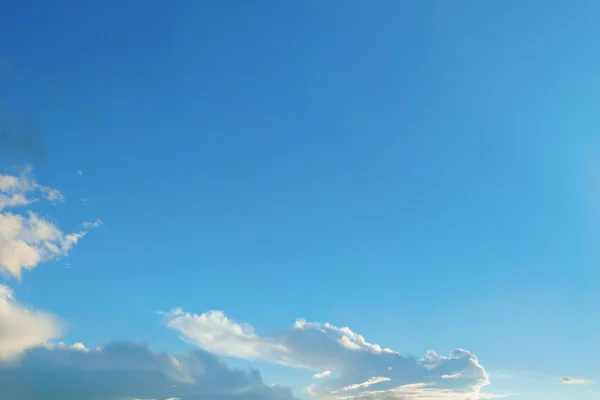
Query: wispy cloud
{"type": "Point", "coordinates": [321, 375]}
{"type": "Point", "coordinates": [575, 381]}
{"type": "Point", "coordinates": [451, 376]}
{"type": "Point", "coordinates": [370, 382]}
{"type": "Point", "coordinates": [27, 239]}
{"type": "Point", "coordinates": [15, 190]}
{"type": "Point", "coordinates": [79, 172]}
{"type": "Point", "coordinates": [91, 225]}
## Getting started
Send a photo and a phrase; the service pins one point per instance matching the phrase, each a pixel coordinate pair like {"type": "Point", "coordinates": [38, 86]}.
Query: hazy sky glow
{"type": "Point", "coordinates": [266, 200]}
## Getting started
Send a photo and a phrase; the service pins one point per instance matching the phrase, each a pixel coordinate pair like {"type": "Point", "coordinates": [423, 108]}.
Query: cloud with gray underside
{"type": "Point", "coordinates": [356, 369]}
{"type": "Point", "coordinates": [124, 370]}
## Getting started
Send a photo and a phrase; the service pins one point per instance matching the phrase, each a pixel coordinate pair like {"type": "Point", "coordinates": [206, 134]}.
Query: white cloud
{"type": "Point", "coordinates": [91, 225]}
{"type": "Point", "coordinates": [323, 374]}
{"type": "Point", "coordinates": [14, 200]}
{"type": "Point", "coordinates": [214, 332]}
{"type": "Point", "coordinates": [19, 186]}
{"type": "Point", "coordinates": [26, 240]}
{"type": "Point", "coordinates": [123, 370]}
{"type": "Point", "coordinates": [79, 172]}
{"type": "Point", "coordinates": [371, 381]}
{"type": "Point", "coordinates": [453, 376]}
{"type": "Point", "coordinates": [575, 381]}
{"type": "Point", "coordinates": [22, 328]}
{"type": "Point", "coordinates": [321, 347]}
{"type": "Point", "coordinates": [416, 391]}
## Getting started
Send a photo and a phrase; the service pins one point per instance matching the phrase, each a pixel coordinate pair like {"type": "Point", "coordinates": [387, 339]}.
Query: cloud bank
{"type": "Point", "coordinates": [123, 370]}
{"type": "Point", "coordinates": [358, 369]}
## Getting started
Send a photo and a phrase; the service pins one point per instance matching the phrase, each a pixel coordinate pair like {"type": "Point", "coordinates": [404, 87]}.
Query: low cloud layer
{"type": "Point", "coordinates": [123, 370]}
{"type": "Point", "coordinates": [26, 239]}
{"type": "Point", "coordinates": [358, 369]}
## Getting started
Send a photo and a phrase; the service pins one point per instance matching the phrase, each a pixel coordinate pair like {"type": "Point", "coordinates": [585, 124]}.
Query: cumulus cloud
{"type": "Point", "coordinates": [214, 332]}
{"type": "Point", "coordinates": [26, 239]}
{"type": "Point", "coordinates": [22, 328]}
{"type": "Point", "coordinates": [575, 381]}
{"type": "Point", "coordinates": [123, 370]}
{"type": "Point", "coordinates": [363, 370]}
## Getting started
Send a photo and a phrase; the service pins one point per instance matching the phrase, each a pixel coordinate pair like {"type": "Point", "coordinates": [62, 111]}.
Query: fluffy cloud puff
{"type": "Point", "coordinates": [27, 240]}
{"type": "Point", "coordinates": [122, 370]}
{"type": "Point", "coordinates": [359, 369]}
{"type": "Point", "coordinates": [22, 328]}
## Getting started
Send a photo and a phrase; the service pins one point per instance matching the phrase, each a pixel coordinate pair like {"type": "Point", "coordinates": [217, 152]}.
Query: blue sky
{"type": "Point", "coordinates": [424, 173]}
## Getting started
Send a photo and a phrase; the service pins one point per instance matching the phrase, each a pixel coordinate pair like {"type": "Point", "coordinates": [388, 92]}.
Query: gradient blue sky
{"type": "Point", "coordinates": [424, 172]}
